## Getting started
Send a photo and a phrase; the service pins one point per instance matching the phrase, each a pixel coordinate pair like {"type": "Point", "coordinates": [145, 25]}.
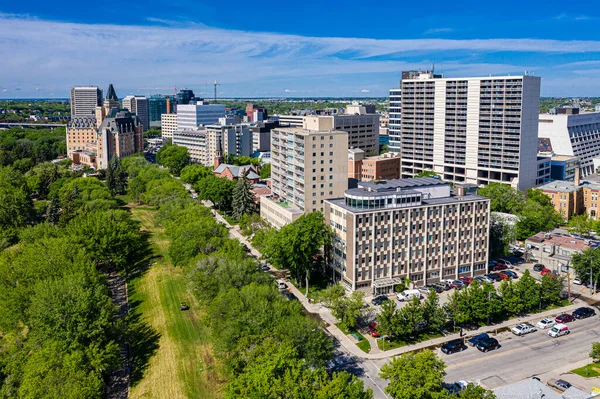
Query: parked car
{"type": "Point", "coordinates": [523, 328]}
{"type": "Point", "coordinates": [511, 274]}
{"type": "Point", "coordinates": [545, 272]}
{"type": "Point", "coordinates": [457, 387]}
{"type": "Point", "coordinates": [559, 330]}
{"type": "Point", "coordinates": [480, 279]}
{"type": "Point", "coordinates": [444, 285]}
{"type": "Point", "coordinates": [408, 295]}
{"type": "Point", "coordinates": [494, 276]}
{"type": "Point", "coordinates": [289, 296]}
{"type": "Point", "coordinates": [264, 267]}
{"type": "Point", "coordinates": [545, 323]}
{"type": "Point", "coordinates": [488, 344]}
{"type": "Point", "coordinates": [507, 263]}
{"type": "Point", "coordinates": [473, 341]}
{"type": "Point", "coordinates": [373, 330]}
{"type": "Point", "coordinates": [499, 266]}
{"type": "Point", "coordinates": [564, 318]}
{"type": "Point", "coordinates": [492, 264]}
{"type": "Point", "coordinates": [559, 385]}
{"type": "Point", "coordinates": [538, 267]}
{"type": "Point", "coordinates": [504, 276]}
{"type": "Point", "coordinates": [436, 287]}
{"type": "Point", "coordinates": [457, 284]}
{"type": "Point", "coordinates": [456, 345]}
{"type": "Point", "coordinates": [281, 285]}
{"type": "Point", "coordinates": [378, 300]}
{"type": "Point", "coordinates": [466, 280]}
{"type": "Point", "coordinates": [577, 281]}
{"type": "Point", "coordinates": [583, 313]}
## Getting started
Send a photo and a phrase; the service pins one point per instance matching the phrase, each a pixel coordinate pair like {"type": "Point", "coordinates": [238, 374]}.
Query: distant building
{"type": "Point", "coordinates": [563, 167]}
{"type": "Point", "coordinates": [307, 167]}
{"type": "Point", "coordinates": [185, 96]}
{"type": "Point", "coordinates": [381, 167]}
{"type": "Point", "coordinates": [472, 130]}
{"type": "Point", "coordinates": [555, 250]}
{"type": "Point", "coordinates": [576, 135]}
{"type": "Point", "coordinates": [109, 132]}
{"type": "Point", "coordinates": [416, 228]}
{"type": "Point", "coordinates": [291, 120]}
{"type": "Point", "coordinates": [190, 116]}
{"type": "Point", "coordinates": [195, 142]}
{"type": "Point", "coordinates": [139, 106]}
{"type": "Point", "coordinates": [159, 104]}
{"type": "Point", "coordinates": [261, 135]}
{"type": "Point", "coordinates": [232, 172]}
{"type": "Point", "coordinates": [168, 125]}
{"type": "Point", "coordinates": [84, 100]}
{"type": "Point", "coordinates": [255, 113]}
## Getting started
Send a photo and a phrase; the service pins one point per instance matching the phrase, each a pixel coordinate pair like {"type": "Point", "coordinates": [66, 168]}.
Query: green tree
{"type": "Point", "coordinates": [16, 207]}
{"type": "Point", "coordinates": [386, 318]}
{"type": "Point", "coordinates": [191, 174]}
{"type": "Point", "coordinates": [528, 289]}
{"type": "Point", "coordinates": [251, 223]}
{"type": "Point", "coordinates": [473, 391]}
{"type": "Point", "coordinates": [511, 302]}
{"type": "Point", "coordinates": [53, 211]}
{"type": "Point", "coordinates": [536, 218]}
{"type": "Point", "coordinates": [433, 314]}
{"type": "Point", "coordinates": [538, 196]}
{"type": "Point", "coordinates": [195, 237]}
{"type": "Point", "coordinates": [173, 157]}
{"type": "Point", "coordinates": [295, 245]}
{"type": "Point", "coordinates": [242, 200]}
{"type": "Point", "coordinates": [550, 290]}
{"type": "Point", "coordinates": [116, 177]}
{"type": "Point", "coordinates": [218, 191]}
{"type": "Point", "coordinates": [501, 236]}
{"type": "Point", "coordinates": [587, 262]}
{"type": "Point", "coordinates": [595, 353]}
{"type": "Point", "coordinates": [265, 171]}
{"type": "Point", "coordinates": [348, 309]}
{"type": "Point", "coordinates": [581, 224]}
{"type": "Point", "coordinates": [415, 376]}
{"type": "Point", "coordinates": [503, 198]}
{"type": "Point", "coordinates": [164, 190]}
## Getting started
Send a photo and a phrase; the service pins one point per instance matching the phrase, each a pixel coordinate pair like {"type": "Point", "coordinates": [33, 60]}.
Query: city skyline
{"type": "Point", "coordinates": [255, 53]}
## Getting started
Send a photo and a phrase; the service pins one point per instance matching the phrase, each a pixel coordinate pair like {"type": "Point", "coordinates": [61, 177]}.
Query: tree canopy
{"type": "Point", "coordinates": [173, 157]}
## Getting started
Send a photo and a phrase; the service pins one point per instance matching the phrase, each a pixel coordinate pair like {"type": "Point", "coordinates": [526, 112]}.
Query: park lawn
{"type": "Point", "coordinates": [363, 344]}
{"type": "Point", "coordinates": [183, 365]}
{"type": "Point", "coordinates": [588, 371]}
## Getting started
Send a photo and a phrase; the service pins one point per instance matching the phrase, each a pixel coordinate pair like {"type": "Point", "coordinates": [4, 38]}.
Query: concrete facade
{"type": "Point", "coordinates": [381, 167]}
{"type": "Point", "coordinates": [84, 100]}
{"type": "Point", "coordinates": [573, 135]}
{"type": "Point", "coordinates": [414, 228]}
{"type": "Point", "coordinates": [139, 106]}
{"type": "Point", "coordinates": [362, 129]}
{"type": "Point", "coordinates": [168, 125]}
{"type": "Point", "coordinates": [306, 168]}
{"type": "Point", "coordinates": [473, 130]}
{"type": "Point", "coordinates": [190, 116]}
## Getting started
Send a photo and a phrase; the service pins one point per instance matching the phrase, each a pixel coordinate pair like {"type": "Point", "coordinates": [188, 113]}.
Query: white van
{"type": "Point", "coordinates": [558, 330]}
{"type": "Point", "coordinates": [408, 295]}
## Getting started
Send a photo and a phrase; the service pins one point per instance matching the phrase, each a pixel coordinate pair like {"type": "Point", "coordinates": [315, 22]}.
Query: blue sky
{"type": "Point", "coordinates": [297, 49]}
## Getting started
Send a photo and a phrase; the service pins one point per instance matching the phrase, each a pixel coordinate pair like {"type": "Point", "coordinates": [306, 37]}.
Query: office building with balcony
{"type": "Point", "coordinates": [472, 130]}
{"type": "Point", "coordinates": [307, 167]}
{"type": "Point", "coordinates": [415, 228]}
{"type": "Point", "coordinates": [574, 135]}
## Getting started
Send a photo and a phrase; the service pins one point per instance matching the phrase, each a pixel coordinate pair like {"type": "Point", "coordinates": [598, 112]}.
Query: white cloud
{"type": "Point", "coordinates": [365, 91]}
{"type": "Point", "coordinates": [65, 54]}
{"type": "Point", "coordinates": [438, 30]}
{"type": "Point", "coordinates": [289, 91]}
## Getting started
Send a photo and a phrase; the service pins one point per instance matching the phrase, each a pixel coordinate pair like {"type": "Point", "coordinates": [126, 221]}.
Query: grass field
{"type": "Point", "coordinates": [589, 371]}
{"type": "Point", "coordinates": [181, 365]}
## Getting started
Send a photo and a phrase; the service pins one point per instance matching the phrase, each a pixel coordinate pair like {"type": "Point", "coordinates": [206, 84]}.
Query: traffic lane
{"type": "Point", "coordinates": [372, 380]}
{"type": "Point", "coordinates": [523, 357]}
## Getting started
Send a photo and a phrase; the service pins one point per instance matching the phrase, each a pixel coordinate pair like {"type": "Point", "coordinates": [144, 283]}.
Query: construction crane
{"type": "Point", "coordinates": [215, 84]}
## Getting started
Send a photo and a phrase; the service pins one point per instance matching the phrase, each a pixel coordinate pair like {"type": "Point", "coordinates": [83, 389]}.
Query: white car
{"type": "Point", "coordinates": [523, 328]}
{"type": "Point", "coordinates": [281, 285]}
{"type": "Point", "coordinates": [545, 323]}
{"type": "Point", "coordinates": [577, 281]}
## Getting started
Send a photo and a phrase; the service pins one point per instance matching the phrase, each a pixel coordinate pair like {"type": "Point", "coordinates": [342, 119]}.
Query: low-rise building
{"type": "Point", "coordinates": [555, 250]}
{"type": "Point", "coordinates": [565, 196]}
{"type": "Point", "coordinates": [233, 172]}
{"type": "Point", "coordinates": [381, 167]}
{"type": "Point", "coordinates": [416, 228]}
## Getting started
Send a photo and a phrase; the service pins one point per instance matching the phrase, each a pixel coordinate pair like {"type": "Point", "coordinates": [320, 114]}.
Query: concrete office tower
{"type": "Point", "coordinates": [195, 142]}
{"type": "Point", "coordinates": [185, 96]}
{"type": "Point", "coordinates": [474, 130]}
{"type": "Point", "coordinates": [307, 167]}
{"type": "Point", "coordinates": [574, 135]}
{"type": "Point", "coordinates": [190, 116]}
{"type": "Point", "coordinates": [139, 106]}
{"type": "Point", "coordinates": [407, 228]}
{"type": "Point", "coordinates": [84, 100]}
{"type": "Point", "coordinates": [261, 135]}
{"type": "Point", "coordinates": [158, 105]}
{"type": "Point", "coordinates": [168, 125]}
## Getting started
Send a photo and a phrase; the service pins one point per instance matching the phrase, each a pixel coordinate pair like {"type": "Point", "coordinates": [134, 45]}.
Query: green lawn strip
{"type": "Point", "coordinates": [393, 344]}
{"type": "Point", "coordinates": [363, 343]}
{"type": "Point", "coordinates": [588, 371]}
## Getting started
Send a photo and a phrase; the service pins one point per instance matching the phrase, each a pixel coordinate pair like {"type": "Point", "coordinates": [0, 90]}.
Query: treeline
{"type": "Point", "coordinates": [58, 326]}
{"type": "Point", "coordinates": [266, 343]}
{"type": "Point", "coordinates": [24, 148]}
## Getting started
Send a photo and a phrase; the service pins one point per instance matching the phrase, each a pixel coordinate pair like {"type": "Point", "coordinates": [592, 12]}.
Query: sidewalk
{"type": "Point", "coordinates": [376, 353]}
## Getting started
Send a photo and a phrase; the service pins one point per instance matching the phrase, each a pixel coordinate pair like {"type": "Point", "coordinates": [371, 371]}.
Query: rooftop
{"type": "Point", "coordinates": [563, 157]}
{"type": "Point", "coordinates": [401, 184]}
{"type": "Point", "coordinates": [563, 240]}
{"type": "Point", "coordinates": [306, 132]}
{"type": "Point", "coordinates": [238, 171]}
{"type": "Point", "coordinates": [560, 186]}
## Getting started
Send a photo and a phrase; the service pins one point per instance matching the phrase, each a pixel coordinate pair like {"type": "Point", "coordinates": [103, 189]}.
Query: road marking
{"type": "Point", "coordinates": [553, 340]}
{"type": "Point", "coordinates": [374, 383]}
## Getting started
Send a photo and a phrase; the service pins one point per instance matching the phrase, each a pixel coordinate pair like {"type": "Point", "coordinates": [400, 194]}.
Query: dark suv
{"type": "Point", "coordinates": [488, 344]}
{"type": "Point", "coordinates": [538, 267]}
{"type": "Point", "coordinates": [379, 300]}
{"type": "Point", "coordinates": [456, 345]}
{"type": "Point", "coordinates": [583, 313]}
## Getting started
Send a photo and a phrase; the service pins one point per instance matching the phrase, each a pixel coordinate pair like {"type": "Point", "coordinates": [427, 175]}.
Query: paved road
{"type": "Point", "coordinates": [517, 359]}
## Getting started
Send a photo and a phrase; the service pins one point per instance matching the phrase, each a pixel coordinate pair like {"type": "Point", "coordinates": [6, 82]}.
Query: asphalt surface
{"type": "Point", "coordinates": [517, 359]}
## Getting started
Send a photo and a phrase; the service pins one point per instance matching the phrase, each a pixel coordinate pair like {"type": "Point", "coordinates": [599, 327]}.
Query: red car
{"type": "Point", "coordinates": [504, 276]}
{"type": "Point", "coordinates": [466, 280]}
{"type": "Point", "coordinates": [373, 331]}
{"type": "Point", "coordinates": [564, 318]}
{"type": "Point", "coordinates": [545, 271]}
{"type": "Point", "coordinates": [499, 266]}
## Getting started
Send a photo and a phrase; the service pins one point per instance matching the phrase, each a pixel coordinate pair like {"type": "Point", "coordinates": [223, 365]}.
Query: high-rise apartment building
{"type": "Point", "coordinates": [190, 116]}
{"type": "Point", "coordinates": [84, 100]}
{"type": "Point", "coordinates": [474, 130]}
{"type": "Point", "coordinates": [159, 104]}
{"type": "Point", "coordinates": [573, 135]}
{"type": "Point", "coordinates": [261, 135]}
{"type": "Point", "coordinates": [307, 167]}
{"type": "Point", "coordinates": [168, 125]}
{"type": "Point", "coordinates": [139, 106]}
{"type": "Point", "coordinates": [418, 229]}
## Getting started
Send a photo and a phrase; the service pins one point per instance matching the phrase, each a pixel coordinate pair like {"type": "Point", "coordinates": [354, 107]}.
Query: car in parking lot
{"type": "Point", "coordinates": [436, 287]}
{"type": "Point", "coordinates": [457, 284]}
{"type": "Point", "coordinates": [577, 281]}
{"type": "Point", "coordinates": [480, 279]}
{"type": "Point", "coordinates": [564, 318]}
{"type": "Point", "coordinates": [559, 385]}
{"type": "Point", "coordinates": [473, 341]}
{"type": "Point", "coordinates": [545, 323]}
{"type": "Point", "coordinates": [488, 344]}
{"type": "Point", "coordinates": [545, 272]}
{"type": "Point", "coordinates": [466, 280]}
{"type": "Point", "coordinates": [281, 285]}
{"type": "Point", "coordinates": [507, 263]}
{"type": "Point", "coordinates": [494, 276]}
{"type": "Point", "coordinates": [499, 266]}
{"type": "Point", "coordinates": [488, 279]}
{"type": "Point", "coordinates": [456, 345]}
{"type": "Point", "coordinates": [511, 274]}
{"type": "Point", "coordinates": [504, 276]}
{"type": "Point", "coordinates": [538, 267]}
{"type": "Point", "coordinates": [523, 328]}
{"type": "Point", "coordinates": [583, 313]}
{"type": "Point", "coordinates": [373, 330]}
{"type": "Point", "coordinates": [378, 300]}
{"type": "Point", "coordinates": [559, 330]}
{"type": "Point", "coordinates": [444, 285]}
